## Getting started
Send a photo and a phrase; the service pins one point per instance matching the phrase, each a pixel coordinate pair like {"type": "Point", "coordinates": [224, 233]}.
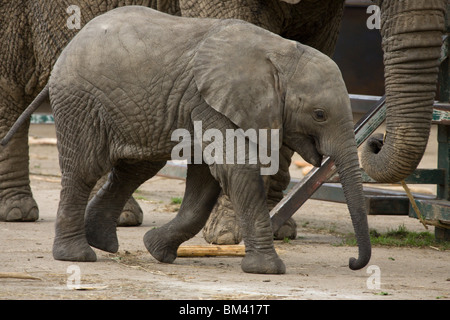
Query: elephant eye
{"type": "Point", "coordinates": [319, 115]}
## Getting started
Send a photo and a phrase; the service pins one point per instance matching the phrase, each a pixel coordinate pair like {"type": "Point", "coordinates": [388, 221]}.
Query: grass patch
{"type": "Point", "coordinates": [140, 198]}
{"type": "Point", "coordinates": [401, 237]}
{"type": "Point", "coordinates": [176, 200]}
{"type": "Point", "coordinates": [138, 195]}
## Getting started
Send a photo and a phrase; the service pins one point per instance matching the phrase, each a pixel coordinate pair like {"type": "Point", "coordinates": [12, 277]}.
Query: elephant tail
{"type": "Point", "coordinates": [41, 97]}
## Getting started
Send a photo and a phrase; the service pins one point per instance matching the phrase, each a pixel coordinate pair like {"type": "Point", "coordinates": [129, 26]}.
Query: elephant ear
{"type": "Point", "coordinates": [237, 74]}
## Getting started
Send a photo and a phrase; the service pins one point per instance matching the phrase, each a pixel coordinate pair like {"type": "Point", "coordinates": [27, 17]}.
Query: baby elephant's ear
{"type": "Point", "coordinates": [236, 76]}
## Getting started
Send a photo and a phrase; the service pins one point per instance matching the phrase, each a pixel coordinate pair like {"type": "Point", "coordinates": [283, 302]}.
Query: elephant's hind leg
{"type": "Point", "coordinates": [131, 215]}
{"type": "Point", "coordinates": [202, 191]}
{"type": "Point", "coordinates": [104, 209]}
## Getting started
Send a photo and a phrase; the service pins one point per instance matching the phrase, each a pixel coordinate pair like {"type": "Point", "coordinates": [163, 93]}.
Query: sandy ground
{"type": "Point", "coordinates": [316, 265]}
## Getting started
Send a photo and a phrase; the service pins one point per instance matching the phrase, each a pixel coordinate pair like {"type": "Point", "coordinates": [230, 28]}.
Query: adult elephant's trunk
{"type": "Point", "coordinates": [345, 157]}
{"type": "Point", "coordinates": [412, 39]}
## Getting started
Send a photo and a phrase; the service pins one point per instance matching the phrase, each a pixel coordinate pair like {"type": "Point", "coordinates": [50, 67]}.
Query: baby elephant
{"type": "Point", "coordinates": [133, 76]}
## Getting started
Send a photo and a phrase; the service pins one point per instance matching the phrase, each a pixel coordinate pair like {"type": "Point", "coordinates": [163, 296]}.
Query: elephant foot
{"type": "Point", "coordinates": [19, 209]}
{"type": "Point", "coordinates": [74, 249]}
{"type": "Point", "coordinates": [222, 226]}
{"type": "Point", "coordinates": [255, 262]}
{"type": "Point", "coordinates": [161, 248]}
{"type": "Point", "coordinates": [100, 230]}
{"type": "Point", "coordinates": [131, 215]}
{"type": "Point", "coordinates": [287, 230]}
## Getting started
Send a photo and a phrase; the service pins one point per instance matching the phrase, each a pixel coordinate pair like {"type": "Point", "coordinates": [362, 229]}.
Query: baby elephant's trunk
{"type": "Point", "coordinates": [347, 164]}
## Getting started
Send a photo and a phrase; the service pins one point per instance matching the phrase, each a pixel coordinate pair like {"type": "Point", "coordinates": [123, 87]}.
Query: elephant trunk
{"type": "Point", "coordinates": [412, 39]}
{"type": "Point", "coordinates": [345, 157]}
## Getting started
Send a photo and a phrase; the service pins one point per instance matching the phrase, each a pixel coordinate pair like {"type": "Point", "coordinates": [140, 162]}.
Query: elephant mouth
{"type": "Point", "coordinates": [310, 150]}
{"type": "Point", "coordinates": [316, 142]}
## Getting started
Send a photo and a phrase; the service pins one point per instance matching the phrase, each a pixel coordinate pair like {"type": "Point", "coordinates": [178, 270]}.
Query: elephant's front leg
{"type": "Point", "coordinates": [222, 226]}
{"type": "Point", "coordinates": [245, 187]}
{"type": "Point", "coordinates": [199, 198]}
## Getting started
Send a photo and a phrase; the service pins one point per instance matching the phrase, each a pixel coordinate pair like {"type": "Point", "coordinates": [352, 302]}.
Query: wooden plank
{"type": "Point", "coordinates": [17, 275]}
{"type": "Point", "coordinates": [211, 250]}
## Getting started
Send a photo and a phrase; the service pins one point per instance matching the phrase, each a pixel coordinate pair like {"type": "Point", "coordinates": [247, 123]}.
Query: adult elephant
{"type": "Point", "coordinates": [411, 32]}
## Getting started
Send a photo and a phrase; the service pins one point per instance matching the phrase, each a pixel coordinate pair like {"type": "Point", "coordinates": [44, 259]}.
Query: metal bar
{"type": "Point", "coordinates": [419, 176]}
{"type": "Point", "coordinates": [314, 179]}
{"type": "Point", "coordinates": [333, 192]}
{"type": "Point", "coordinates": [370, 122]}
{"type": "Point", "coordinates": [444, 160]}
{"type": "Point", "coordinates": [378, 201]}
{"type": "Point", "coordinates": [441, 114]}
{"type": "Point", "coordinates": [300, 193]}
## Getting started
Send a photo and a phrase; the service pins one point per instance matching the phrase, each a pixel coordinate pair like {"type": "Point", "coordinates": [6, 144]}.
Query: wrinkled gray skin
{"type": "Point", "coordinates": [411, 32]}
{"type": "Point", "coordinates": [37, 33]}
{"type": "Point", "coordinates": [128, 67]}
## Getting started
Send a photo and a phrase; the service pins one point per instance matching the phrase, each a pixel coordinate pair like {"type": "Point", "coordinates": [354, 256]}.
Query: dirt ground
{"type": "Point", "coordinates": [317, 268]}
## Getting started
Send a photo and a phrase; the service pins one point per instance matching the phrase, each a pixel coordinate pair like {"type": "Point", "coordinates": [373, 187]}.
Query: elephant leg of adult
{"type": "Point", "coordinates": [104, 209]}
{"type": "Point", "coordinates": [200, 196]}
{"type": "Point", "coordinates": [222, 226]}
{"type": "Point", "coordinates": [16, 199]}
{"type": "Point", "coordinates": [131, 214]}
